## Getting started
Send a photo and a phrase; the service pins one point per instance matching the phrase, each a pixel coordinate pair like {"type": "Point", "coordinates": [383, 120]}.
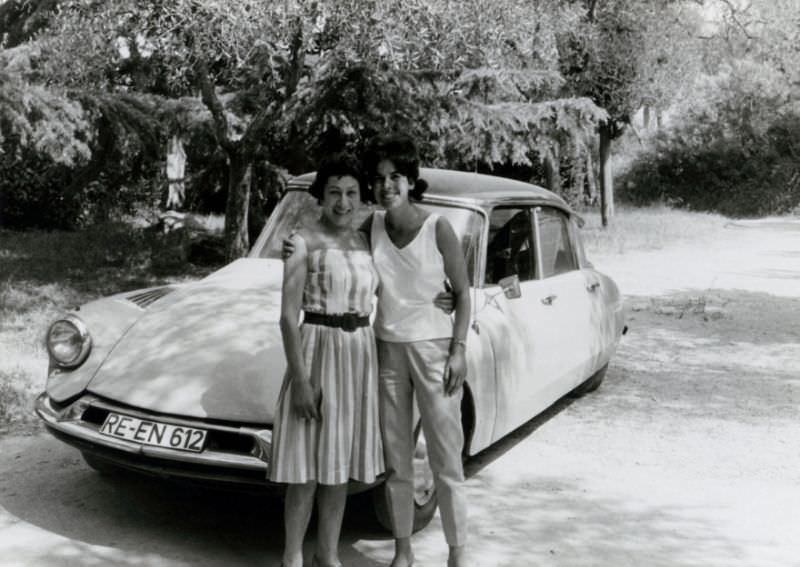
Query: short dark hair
{"type": "Point", "coordinates": [339, 165]}
{"type": "Point", "coordinates": [402, 151]}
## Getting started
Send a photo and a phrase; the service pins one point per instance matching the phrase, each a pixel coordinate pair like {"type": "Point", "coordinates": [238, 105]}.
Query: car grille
{"type": "Point", "coordinates": [146, 298]}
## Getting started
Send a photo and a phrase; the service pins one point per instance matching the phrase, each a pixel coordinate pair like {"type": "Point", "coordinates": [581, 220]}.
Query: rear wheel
{"type": "Point", "coordinates": [592, 383]}
{"type": "Point", "coordinates": [425, 501]}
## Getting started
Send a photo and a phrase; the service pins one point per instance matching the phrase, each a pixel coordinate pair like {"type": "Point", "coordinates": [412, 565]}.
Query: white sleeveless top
{"type": "Point", "coordinates": [410, 277]}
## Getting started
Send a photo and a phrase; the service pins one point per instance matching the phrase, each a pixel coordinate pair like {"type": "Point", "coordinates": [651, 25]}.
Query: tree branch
{"type": "Point", "coordinates": [734, 11]}
{"type": "Point", "coordinates": [212, 102]}
{"type": "Point", "coordinates": [296, 58]}
{"type": "Point", "coordinates": [591, 10]}
{"type": "Point", "coordinates": [252, 135]}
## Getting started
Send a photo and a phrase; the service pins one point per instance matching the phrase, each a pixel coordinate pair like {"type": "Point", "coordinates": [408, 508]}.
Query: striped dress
{"type": "Point", "coordinates": [345, 443]}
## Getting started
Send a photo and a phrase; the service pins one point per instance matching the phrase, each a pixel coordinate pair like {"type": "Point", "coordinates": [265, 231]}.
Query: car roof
{"type": "Point", "coordinates": [475, 188]}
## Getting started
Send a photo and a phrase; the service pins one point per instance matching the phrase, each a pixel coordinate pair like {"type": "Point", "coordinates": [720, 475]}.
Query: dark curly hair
{"type": "Point", "coordinates": [402, 151]}
{"type": "Point", "coordinates": [339, 165]}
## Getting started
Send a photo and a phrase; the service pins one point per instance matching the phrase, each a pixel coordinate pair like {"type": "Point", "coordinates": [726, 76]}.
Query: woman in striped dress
{"type": "Point", "coordinates": [326, 427]}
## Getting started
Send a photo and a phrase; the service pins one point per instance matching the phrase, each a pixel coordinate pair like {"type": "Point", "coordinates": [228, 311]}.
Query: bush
{"type": "Point", "coordinates": [39, 193]}
{"type": "Point", "coordinates": [722, 177]}
{"type": "Point", "coordinates": [32, 192]}
{"type": "Point", "coordinates": [734, 148]}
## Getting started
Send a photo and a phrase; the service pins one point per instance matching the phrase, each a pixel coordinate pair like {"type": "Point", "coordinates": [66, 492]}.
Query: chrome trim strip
{"type": "Point", "coordinates": [537, 243]}
{"type": "Point", "coordinates": [61, 421]}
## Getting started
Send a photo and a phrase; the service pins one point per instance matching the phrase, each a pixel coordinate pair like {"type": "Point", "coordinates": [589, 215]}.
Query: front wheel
{"type": "Point", "coordinates": [425, 501]}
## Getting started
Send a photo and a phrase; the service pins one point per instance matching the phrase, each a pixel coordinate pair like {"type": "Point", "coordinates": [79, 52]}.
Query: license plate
{"type": "Point", "coordinates": [153, 433]}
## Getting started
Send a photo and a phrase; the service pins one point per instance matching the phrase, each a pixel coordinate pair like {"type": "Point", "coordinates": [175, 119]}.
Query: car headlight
{"type": "Point", "coordinates": [68, 342]}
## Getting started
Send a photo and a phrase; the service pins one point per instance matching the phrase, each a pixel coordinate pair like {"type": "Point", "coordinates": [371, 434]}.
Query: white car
{"type": "Point", "coordinates": [182, 380]}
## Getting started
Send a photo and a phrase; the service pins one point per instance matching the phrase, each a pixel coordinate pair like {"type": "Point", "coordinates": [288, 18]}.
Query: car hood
{"type": "Point", "coordinates": [211, 349]}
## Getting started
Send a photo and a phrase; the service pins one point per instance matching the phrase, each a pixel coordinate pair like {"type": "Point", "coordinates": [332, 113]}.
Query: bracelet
{"type": "Point", "coordinates": [456, 342]}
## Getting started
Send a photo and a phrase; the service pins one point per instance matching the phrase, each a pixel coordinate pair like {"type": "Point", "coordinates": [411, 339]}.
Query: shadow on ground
{"type": "Point", "coordinates": [685, 363]}
{"type": "Point", "coordinates": [138, 521]}
{"type": "Point", "coordinates": [144, 520]}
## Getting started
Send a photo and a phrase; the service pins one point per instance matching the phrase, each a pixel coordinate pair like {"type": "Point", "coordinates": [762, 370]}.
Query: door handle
{"type": "Point", "coordinates": [549, 299]}
{"type": "Point", "coordinates": [593, 286]}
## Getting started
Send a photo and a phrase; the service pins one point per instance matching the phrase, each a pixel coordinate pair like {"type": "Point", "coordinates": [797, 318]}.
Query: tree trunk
{"type": "Point", "coordinates": [552, 172]}
{"type": "Point", "coordinates": [176, 169]}
{"type": "Point", "coordinates": [606, 182]}
{"type": "Point", "coordinates": [237, 241]}
{"type": "Point", "coordinates": [591, 180]}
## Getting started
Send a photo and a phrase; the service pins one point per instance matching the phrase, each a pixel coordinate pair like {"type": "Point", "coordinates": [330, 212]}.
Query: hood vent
{"type": "Point", "coordinates": [145, 299]}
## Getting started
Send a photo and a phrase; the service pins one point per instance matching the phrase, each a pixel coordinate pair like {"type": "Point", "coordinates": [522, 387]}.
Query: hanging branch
{"type": "Point", "coordinates": [211, 100]}
{"type": "Point", "coordinates": [734, 12]}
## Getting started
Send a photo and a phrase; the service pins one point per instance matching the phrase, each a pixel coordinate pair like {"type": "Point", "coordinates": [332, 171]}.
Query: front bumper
{"type": "Point", "coordinates": [233, 454]}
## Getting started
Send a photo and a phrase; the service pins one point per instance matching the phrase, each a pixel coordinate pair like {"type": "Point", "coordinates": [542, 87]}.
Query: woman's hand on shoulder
{"type": "Point", "coordinates": [290, 244]}
{"type": "Point", "coordinates": [294, 274]}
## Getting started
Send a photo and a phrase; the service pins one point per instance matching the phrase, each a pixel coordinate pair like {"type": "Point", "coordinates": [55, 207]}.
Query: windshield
{"type": "Point", "coordinates": [298, 208]}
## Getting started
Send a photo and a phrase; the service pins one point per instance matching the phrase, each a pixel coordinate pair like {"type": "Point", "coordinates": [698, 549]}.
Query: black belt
{"type": "Point", "coordinates": [346, 321]}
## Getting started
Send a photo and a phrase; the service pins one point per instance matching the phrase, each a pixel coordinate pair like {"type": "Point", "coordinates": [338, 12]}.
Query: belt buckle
{"type": "Point", "coordinates": [349, 322]}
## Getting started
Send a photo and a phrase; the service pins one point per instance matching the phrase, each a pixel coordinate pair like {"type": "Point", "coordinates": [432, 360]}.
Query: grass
{"type": "Point", "coordinates": [43, 274]}
{"type": "Point", "coordinates": [647, 228]}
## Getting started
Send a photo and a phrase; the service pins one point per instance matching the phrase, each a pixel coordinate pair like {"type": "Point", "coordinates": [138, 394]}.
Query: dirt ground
{"type": "Point", "coordinates": [688, 455]}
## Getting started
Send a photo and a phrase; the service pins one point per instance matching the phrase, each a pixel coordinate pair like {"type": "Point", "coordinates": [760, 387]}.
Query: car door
{"type": "Point", "coordinates": [606, 321]}
{"type": "Point", "coordinates": [511, 324]}
{"type": "Point", "coordinates": [565, 326]}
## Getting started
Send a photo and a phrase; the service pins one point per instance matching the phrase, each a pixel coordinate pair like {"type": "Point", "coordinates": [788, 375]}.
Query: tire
{"type": "Point", "coordinates": [425, 501]}
{"type": "Point", "coordinates": [101, 465]}
{"type": "Point", "coordinates": [591, 384]}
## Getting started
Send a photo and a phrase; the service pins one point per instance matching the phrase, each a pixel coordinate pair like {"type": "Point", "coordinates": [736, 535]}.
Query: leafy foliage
{"type": "Point", "coordinates": [626, 54]}
{"type": "Point", "coordinates": [732, 142]}
{"type": "Point", "coordinates": [45, 119]}
{"type": "Point", "coordinates": [22, 19]}
{"type": "Point", "coordinates": [285, 82]}
{"type": "Point", "coordinates": [735, 150]}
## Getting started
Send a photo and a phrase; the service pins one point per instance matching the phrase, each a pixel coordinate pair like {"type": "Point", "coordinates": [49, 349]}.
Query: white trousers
{"type": "Point", "coordinates": [406, 368]}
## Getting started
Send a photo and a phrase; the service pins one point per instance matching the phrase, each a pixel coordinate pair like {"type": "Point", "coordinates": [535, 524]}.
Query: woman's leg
{"type": "Point", "coordinates": [296, 515]}
{"type": "Point", "coordinates": [396, 415]}
{"type": "Point", "coordinates": [441, 422]}
{"type": "Point", "coordinates": [331, 501]}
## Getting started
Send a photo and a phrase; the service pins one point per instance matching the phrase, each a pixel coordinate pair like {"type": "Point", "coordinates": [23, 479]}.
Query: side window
{"type": "Point", "coordinates": [577, 239]}
{"type": "Point", "coordinates": [558, 255]}
{"type": "Point", "coordinates": [511, 247]}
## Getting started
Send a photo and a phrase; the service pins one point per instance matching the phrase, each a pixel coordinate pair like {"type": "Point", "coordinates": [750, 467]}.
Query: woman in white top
{"type": "Point", "coordinates": [420, 348]}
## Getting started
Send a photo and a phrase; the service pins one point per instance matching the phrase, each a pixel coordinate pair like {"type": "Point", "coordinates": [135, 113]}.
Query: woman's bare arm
{"type": "Point", "coordinates": [294, 277]}
{"type": "Point", "coordinates": [455, 268]}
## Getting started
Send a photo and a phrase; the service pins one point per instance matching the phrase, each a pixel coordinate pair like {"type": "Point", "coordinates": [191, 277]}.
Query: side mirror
{"type": "Point", "coordinates": [510, 286]}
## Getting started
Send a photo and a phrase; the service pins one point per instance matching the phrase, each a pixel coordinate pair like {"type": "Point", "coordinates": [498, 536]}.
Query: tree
{"type": "Point", "coordinates": [45, 119]}
{"type": "Point", "coordinates": [732, 143]}
{"type": "Point", "coordinates": [618, 57]}
{"type": "Point", "coordinates": [286, 81]}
